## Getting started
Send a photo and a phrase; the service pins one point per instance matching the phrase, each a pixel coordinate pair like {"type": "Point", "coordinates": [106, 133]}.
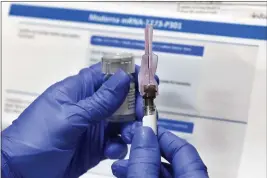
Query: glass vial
{"type": "Point", "coordinates": [110, 64]}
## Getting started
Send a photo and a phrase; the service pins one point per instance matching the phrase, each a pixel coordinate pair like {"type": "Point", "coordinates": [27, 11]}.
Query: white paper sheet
{"type": "Point", "coordinates": [254, 10]}
{"type": "Point", "coordinates": [206, 68]}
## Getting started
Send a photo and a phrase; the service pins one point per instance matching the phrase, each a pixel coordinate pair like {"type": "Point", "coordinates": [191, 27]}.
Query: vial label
{"type": "Point", "coordinates": [131, 98]}
{"type": "Point", "coordinates": [128, 106]}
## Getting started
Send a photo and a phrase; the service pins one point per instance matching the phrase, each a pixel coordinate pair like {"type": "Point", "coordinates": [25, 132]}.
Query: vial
{"type": "Point", "coordinates": [110, 64]}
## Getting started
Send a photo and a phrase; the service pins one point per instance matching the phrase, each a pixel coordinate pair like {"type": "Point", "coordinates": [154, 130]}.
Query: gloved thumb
{"type": "Point", "coordinates": [144, 159]}
{"type": "Point", "coordinates": [107, 99]}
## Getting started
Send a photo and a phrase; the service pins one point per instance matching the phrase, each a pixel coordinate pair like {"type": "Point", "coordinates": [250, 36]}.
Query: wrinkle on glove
{"type": "Point", "coordinates": [184, 160]}
{"type": "Point", "coordinates": [63, 133]}
{"type": "Point", "coordinates": [183, 157]}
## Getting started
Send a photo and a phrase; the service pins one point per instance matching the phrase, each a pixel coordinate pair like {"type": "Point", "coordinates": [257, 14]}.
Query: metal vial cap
{"type": "Point", "coordinates": [112, 62]}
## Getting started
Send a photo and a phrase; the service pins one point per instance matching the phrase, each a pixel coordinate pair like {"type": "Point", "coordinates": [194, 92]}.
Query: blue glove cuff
{"type": "Point", "coordinates": [5, 168]}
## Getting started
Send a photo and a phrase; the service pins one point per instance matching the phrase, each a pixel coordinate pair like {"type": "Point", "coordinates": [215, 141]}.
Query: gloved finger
{"type": "Point", "coordinates": [144, 159]}
{"type": "Point", "coordinates": [166, 170]}
{"type": "Point", "coordinates": [119, 168]}
{"type": "Point", "coordinates": [183, 156]}
{"type": "Point", "coordinates": [115, 148]}
{"type": "Point", "coordinates": [139, 107]}
{"type": "Point", "coordinates": [80, 86]}
{"type": "Point", "coordinates": [96, 78]}
{"type": "Point", "coordinates": [106, 100]}
{"type": "Point", "coordinates": [128, 129]}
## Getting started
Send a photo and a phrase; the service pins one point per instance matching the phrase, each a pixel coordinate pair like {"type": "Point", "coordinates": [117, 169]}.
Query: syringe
{"type": "Point", "coordinates": [148, 86]}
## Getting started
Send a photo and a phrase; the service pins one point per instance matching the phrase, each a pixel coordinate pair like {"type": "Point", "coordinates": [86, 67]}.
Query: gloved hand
{"type": "Point", "coordinates": [63, 133]}
{"type": "Point", "coordinates": [144, 159]}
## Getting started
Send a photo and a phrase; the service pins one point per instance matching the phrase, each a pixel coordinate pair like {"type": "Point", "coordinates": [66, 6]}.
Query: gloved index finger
{"type": "Point", "coordinates": [183, 156]}
{"type": "Point", "coordinates": [107, 99]}
{"type": "Point", "coordinates": [128, 129]}
{"type": "Point", "coordinates": [81, 85]}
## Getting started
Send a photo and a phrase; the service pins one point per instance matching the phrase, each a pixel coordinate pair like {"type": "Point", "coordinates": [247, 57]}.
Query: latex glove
{"type": "Point", "coordinates": [63, 133]}
{"type": "Point", "coordinates": [144, 161]}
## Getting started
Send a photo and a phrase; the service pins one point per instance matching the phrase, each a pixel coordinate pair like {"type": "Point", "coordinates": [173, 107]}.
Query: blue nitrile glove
{"type": "Point", "coordinates": [144, 161]}
{"type": "Point", "coordinates": [63, 133]}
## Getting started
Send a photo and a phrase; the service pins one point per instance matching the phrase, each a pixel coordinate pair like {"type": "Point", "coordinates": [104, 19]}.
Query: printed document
{"type": "Point", "coordinates": [206, 67]}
